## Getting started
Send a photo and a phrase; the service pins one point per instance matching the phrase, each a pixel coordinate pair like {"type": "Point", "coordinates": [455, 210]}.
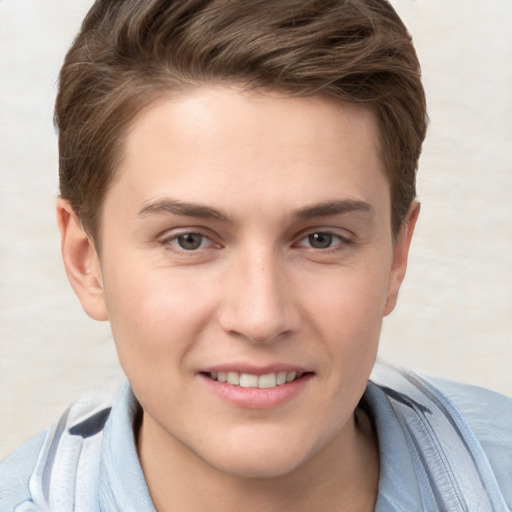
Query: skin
{"type": "Point", "coordinates": [268, 172]}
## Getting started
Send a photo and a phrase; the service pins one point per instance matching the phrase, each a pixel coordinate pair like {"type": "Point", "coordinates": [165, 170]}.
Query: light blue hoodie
{"type": "Point", "coordinates": [443, 447]}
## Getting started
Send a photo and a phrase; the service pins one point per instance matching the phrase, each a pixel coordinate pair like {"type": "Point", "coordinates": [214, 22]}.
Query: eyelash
{"type": "Point", "coordinates": [342, 242]}
{"type": "Point", "coordinates": [336, 241]}
{"type": "Point", "coordinates": [171, 242]}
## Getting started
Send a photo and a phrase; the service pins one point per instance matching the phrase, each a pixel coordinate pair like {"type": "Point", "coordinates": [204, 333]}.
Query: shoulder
{"type": "Point", "coordinates": [489, 415]}
{"type": "Point", "coordinates": [55, 456]}
{"type": "Point", "coordinates": [459, 436]}
{"type": "Point", "coordinates": [15, 472]}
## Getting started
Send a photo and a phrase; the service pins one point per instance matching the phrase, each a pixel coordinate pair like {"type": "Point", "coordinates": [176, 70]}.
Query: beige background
{"type": "Point", "coordinates": [454, 318]}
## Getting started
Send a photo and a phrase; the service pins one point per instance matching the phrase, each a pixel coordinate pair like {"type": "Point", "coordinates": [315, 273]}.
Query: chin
{"type": "Point", "coordinates": [262, 468]}
{"type": "Point", "coordinates": [270, 457]}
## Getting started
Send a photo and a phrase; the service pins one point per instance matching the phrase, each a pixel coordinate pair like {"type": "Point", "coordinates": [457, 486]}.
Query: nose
{"type": "Point", "coordinates": [257, 299]}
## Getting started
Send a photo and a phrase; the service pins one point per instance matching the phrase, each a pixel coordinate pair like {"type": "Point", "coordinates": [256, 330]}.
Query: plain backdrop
{"type": "Point", "coordinates": [454, 316]}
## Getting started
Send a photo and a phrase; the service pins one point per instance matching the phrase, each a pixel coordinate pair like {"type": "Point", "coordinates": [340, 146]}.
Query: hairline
{"type": "Point", "coordinates": [161, 94]}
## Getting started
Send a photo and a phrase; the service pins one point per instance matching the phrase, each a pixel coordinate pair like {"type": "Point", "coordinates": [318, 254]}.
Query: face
{"type": "Point", "coordinates": [247, 238]}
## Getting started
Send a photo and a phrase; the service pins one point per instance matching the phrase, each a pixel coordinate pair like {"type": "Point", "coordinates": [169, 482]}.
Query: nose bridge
{"type": "Point", "coordinates": [258, 304]}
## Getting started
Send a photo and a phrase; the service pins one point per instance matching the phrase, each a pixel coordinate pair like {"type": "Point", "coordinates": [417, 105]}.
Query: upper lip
{"type": "Point", "coordinates": [254, 369]}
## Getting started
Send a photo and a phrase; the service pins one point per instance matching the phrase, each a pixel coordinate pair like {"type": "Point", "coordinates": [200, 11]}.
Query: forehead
{"type": "Point", "coordinates": [220, 144]}
{"type": "Point", "coordinates": [242, 112]}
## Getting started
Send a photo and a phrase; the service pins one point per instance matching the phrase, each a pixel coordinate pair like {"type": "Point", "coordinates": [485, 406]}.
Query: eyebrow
{"type": "Point", "coordinates": [335, 207]}
{"type": "Point", "coordinates": [176, 207]}
{"type": "Point", "coordinates": [325, 209]}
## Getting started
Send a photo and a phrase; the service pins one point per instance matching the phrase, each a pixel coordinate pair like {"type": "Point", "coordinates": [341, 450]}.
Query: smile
{"type": "Point", "coordinates": [248, 380]}
{"type": "Point", "coordinates": [262, 389]}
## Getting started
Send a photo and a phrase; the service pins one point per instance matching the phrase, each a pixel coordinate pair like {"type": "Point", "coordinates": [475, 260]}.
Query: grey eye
{"type": "Point", "coordinates": [190, 241]}
{"type": "Point", "coordinates": [320, 240]}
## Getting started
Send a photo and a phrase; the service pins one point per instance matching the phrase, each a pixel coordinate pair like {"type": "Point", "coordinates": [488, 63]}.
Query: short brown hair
{"type": "Point", "coordinates": [130, 52]}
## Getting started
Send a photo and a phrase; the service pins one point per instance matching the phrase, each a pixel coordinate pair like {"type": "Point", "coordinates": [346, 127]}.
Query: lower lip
{"type": "Point", "coordinates": [257, 398]}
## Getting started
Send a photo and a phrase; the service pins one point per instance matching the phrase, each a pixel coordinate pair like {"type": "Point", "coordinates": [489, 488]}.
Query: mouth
{"type": "Point", "coordinates": [259, 388]}
{"type": "Point", "coordinates": [248, 380]}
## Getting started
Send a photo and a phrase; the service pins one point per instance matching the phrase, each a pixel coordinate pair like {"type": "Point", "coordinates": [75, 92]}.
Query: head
{"type": "Point", "coordinates": [129, 54]}
{"type": "Point", "coordinates": [237, 180]}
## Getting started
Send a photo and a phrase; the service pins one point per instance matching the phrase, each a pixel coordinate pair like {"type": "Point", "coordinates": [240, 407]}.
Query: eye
{"type": "Point", "coordinates": [323, 240]}
{"type": "Point", "coordinates": [320, 240]}
{"type": "Point", "coordinates": [190, 241]}
{"type": "Point", "coordinates": [187, 242]}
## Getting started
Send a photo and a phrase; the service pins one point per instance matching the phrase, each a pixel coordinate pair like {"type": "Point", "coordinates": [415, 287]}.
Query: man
{"type": "Point", "coordinates": [237, 200]}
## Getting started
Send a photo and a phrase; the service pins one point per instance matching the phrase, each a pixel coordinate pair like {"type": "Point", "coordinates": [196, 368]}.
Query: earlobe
{"type": "Point", "coordinates": [81, 262]}
{"type": "Point", "coordinates": [400, 256]}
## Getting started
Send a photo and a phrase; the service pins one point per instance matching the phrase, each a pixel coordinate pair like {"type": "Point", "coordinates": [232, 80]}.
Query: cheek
{"type": "Point", "coordinates": [347, 313]}
{"type": "Point", "coordinates": [155, 318]}
{"type": "Point", "coordinates": [351, 298]}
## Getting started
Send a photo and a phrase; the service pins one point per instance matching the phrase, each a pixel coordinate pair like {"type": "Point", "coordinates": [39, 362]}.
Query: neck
{"type": "Point", "coordinates": [345, 471]}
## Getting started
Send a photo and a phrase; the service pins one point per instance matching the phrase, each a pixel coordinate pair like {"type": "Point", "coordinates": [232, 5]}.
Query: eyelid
{"type": "Point", "coordinates": [344, 240]}
{"type": "Point", "coordinates": [172, 235]}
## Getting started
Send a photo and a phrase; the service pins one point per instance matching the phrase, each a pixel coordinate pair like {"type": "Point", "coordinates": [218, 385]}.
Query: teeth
{"type": "Point", "coordinates": [248, 380]}
{"type": "Point", "coordinates": [281, 378]}
{"type": "Point", "coordinates": [233, 378]}
{"type": "Point", "coordinates": [291, 376]}
{"type": "Point", "coordinates": [267, 381]}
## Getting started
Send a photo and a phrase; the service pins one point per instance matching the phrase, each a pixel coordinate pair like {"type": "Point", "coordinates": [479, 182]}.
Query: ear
{"type": "Point", "coordinates": [81, 262]}
{"type": "Point", "coordinates": [400, 255]}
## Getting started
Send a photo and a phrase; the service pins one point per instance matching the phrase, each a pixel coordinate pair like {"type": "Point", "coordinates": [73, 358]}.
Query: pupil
{"type": "Point", "coordinates": [190, 241]}
{"type": "Point", "coordinates": [320, 240]}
